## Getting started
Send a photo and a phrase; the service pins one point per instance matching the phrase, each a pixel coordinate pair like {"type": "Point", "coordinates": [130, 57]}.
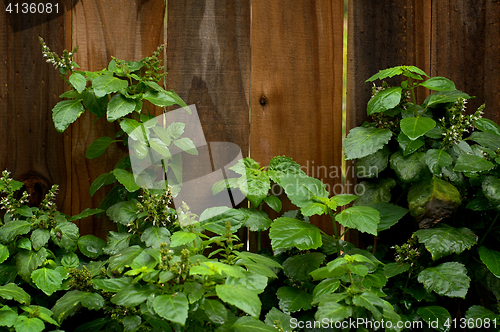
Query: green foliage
{"type": "Point", "coordinates": [444, 169]}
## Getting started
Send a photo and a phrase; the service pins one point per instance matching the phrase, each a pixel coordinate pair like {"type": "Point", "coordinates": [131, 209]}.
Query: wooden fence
{"type": "Point", "coordinates": [280, 59]}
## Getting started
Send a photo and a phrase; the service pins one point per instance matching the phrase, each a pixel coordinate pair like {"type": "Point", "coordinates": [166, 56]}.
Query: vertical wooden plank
{"type": "Point", "coordinates": [128, 30]}
{"type": "Point", "coordinates": [383, 34]}
{"type": "Point", "coordinates": [465, 49]}
{"type": "Point", "coordinates": [208, 64]}
{"type": "Point", "coordinates": [32, 149]}
{"type": "Point", "coordinates": [296, 93]}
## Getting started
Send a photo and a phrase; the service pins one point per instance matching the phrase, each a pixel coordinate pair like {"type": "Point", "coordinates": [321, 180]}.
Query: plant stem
{"type": "Point", "coordinates": [335, 231]}
{"type": "Point", "coordinates": [414, 98]}
{"type": "Point", "coordinates": [489, 229]}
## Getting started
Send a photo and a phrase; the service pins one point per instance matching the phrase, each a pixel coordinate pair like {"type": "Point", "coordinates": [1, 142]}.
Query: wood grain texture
{"type": "Point", "coordinates": [29, 87]}
{"type": "Point", "coordinates": [296, 93]}
{"type": "Point", "coordinates": [465, 49]}
{"type": "Point", "coordinates": [208, 64]}
{"type": "Point", "coordinates": [127, 30]}
{"type": "Point", "coordinates": [383, 34]}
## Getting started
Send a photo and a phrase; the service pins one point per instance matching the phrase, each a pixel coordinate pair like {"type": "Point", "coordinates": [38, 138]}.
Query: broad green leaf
{"type": "Point", "coordinates": [181, 238]}
{"type": "Point", "coordinates": [326, 286]}
{"type": "Point", "coordinates": [42, 313]}
{"type": "Point", "coordinates": [160, 98]}
{"type": "Point", "coordinates": [7, 316]}
{"type": "Point", "coordinates": [489, 140]}
{"type": "Point", "coordinates": [133, 128]}
{"type": "Point", "coordinates": [85, 214]}
{"type": "Point", "coordinates": [432, 200]}
{"type": "Point", "coordinates": [106, 84]}
{"type": "Point", "coordinates": [438, 316]}
{"type": "Point", "coordinates": [134, 295]}
{"type": "Point", "coordinates": [124, 258]}
{"type": "Point", "coordinates": [47, 280]}
{"type": "Point", "coordinates": [249, 324]}
{"type": "Point", "coordinates": [119, 106]}
{"type": "Point", "coordinates": [254, 282]}
{"type": "Point", "coordinates": [343, 199]}
{"type": "Point", "coordinates": [416, 127]}
{"type": "Point", "coordinates": [393, 71]}
{"type": "Point", "coordinates": [393, 269]}
{"type": "Point", "coordinates": [172, 307]}
{"type": "Point", "coordinates": [333, 311]}
{"type": "Point", "coordinates": [101, 180]}
{"type": "Point", "coordinates": [78, 81]}
{"type": "Point", "coordinates": [292, 299]}
{"type": "Point", "coordinates": [371, 302]}
{"type": "Point", "coordinates": [94, 325]}
{"type": "Point", "coordinates": [258, 259]}
{"type": "Point", "coordinates": [448, 279]}
{"type": "Point", "coordinates": [65, 235]}
{"type": "Point", "coordinates": [273, 202]}
{"type": "Point", "coordinates": [445, 240]}
{"type": "Point", "coordinates": [384, 100]}
{"type": "Point", "coordinates": [363, 218]}
{"type": "Point", "coordinates": [373, 192]}
{"type": "Point", "coordinates": [126, 178]}
{"type": "Point", "coordinates": [215, 310]}
{"type": "Point", "coordinates": [301, 190]}
{"type": "Point", "coordinates": [71, 94]}
{"type": "Point", "coordinates": [214, 219]}
{"type": "Point", "coordinates": [275, 317]}
{"type": "Point", "coordinates": [438, 83]}
{"type": "Point", "coordinates": [257, 220]}
{"type": "Point", "coordinates": [436, 160]}
{"type": "Point", "coordinates": [362, 142]}
{"type": "Point", "coordinates": [123, 212]}
{"type": "Point", "coordinates": [175, 130]}
{"type": "Point", "coordinates": [187, 145]}
{"type": "Point", "coordinates": [117, 242]}
{"type": "Point", "coordinates": [299, 267]}
{"type": "Point", "coordinates": [478, 316]}
{"type": "Point", "coordinates": [98, 147]}
{"type": "Point", "coordinates": [487, 126]}
{"type": "Point", "coordinates": [491, 190]}
{"type": "Point", "coordinates": [472, 163]}
{"type": "Point", "coordinates": [23, 243]}
{"type": "Point", "coordinates": [28, 324]}
{"type": "Point", "coordinates": [288, 232]}
{"type": "Point", "coordinates": [66, 112]}
{"type": "Point", "coordinates": [4, 253]}
{"type": "Point", "coordinates": [28, 261]}
{"type": "Point", "coordinates": [154, 236]}
{"type": "Point", "coordinates": [112, 285]}
{"type": "Point", "coordinates": [91, 246]}
{"type": "Point", "coordinates": [130, 323]}
{"type": "Point", "coordinates": [160, 147]}
{"type": "Point", "coordinates": [241, 297]}
{"type": "Point", "coordinates": [10, 230]}
{"type": "Point", "coordinates": [70, 302]}
{"type": "Point", "coordinates": [444, 97]}
{"type": "Point", "coordinates": [70, 260]}
{"type": "Point", "coordinates": [371, 165]}
{"type": "Point", "coordinates": [313, 209]}
{"type": "Point", "coordinates": [94, 104]}
{"type": "Point", "coordinates": [12, 291]}
{"type": "Point", "coordinates": [390, 214]}
{"type": "Point", "coordinates": [490, 258]}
